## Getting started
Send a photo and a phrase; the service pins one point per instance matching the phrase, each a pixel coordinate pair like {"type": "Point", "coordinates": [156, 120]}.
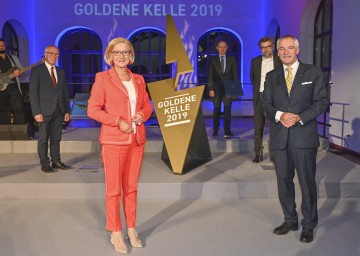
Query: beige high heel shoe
{"type": "Point", "coordinates": [118, 241]}
{"type": "Point", "coordinates": [134, 238]}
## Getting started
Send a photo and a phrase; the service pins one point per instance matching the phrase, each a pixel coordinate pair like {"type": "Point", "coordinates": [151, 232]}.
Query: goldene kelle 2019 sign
{"type": "Point", "coordinates": [178, 111]}
{"type": "Point", "coordinates": [176, 108]}
{"type": "Point", "coordinates": [149, 10]}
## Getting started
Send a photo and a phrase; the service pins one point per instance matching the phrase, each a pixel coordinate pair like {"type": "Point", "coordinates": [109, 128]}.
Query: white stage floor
{"type": "Point", "coordinates": [176, 228]}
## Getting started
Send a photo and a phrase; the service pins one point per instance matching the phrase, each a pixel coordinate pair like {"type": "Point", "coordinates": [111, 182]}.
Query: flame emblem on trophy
{"type": "Point", "coordinates": [186, 145]}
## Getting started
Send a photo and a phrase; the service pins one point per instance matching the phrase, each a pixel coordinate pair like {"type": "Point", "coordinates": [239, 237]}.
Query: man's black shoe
{"type": "Point", "coordinates": [47, 168]}
{"type": "Point", "coordinates": [306, 235]}
{"type": "Point", "coordinates": [60, 165]}
{"type": "Point", "coordinates": [215, 133]}
{"type": "Point", "coordinates": [284, 228]}
{"type": "Point", "coordinates": [228, 135]}
{"type": "Point", "coordinates": [257, 159]}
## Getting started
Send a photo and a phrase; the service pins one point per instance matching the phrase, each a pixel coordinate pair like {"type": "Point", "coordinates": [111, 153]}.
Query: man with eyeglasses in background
{"type": "Point", "coordinates": [50, 106]}
{"type": "Point", "coordinates": [260, 65]}
{"type": "Point", "coordinates": [12, 95]}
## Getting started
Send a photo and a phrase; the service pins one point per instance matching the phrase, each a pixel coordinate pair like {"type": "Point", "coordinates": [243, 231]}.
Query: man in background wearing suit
{"type": "Point", "coordinates": [294, 96]}
{"type": "Point", "coordinates": [50, 106]}
{"type": "Point", "coordinates": [221, 68]}
{"type": "Point", "coordinates": [260, 65]}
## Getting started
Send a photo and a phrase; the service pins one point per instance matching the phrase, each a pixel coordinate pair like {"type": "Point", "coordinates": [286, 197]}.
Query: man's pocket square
{"type": "Point", "coordinates": [307, 82]}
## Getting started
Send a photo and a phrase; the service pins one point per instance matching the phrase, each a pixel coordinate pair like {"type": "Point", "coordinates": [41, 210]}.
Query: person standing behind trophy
{"type": "Point", "coordinates": [221, 68]}
{"type": "Point", "coordinates": [260, 65]}
{"type": "Point", "coordinates": [50, 106]}
{"type": "Point", "coordinates": [120, 102]}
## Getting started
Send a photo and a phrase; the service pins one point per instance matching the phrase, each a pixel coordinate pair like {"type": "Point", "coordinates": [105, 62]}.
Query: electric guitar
{"type": "Point", "coordinates": [6, 78]}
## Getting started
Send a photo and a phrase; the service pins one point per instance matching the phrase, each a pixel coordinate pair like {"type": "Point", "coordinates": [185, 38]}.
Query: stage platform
{"type": "Point", "coordinates": [228, 206]}
{"type": "Point", "coordinates": [230, 175]}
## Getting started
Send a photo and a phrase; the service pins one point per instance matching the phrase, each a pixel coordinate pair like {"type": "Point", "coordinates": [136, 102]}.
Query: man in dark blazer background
{"type": "Point", "coordinates": [218, 73]}
{"type": "Point", "coordinates": [260, 65]}
{"type": "Point", "coordinates": [294, 96]}
{"type": "Point", "coordinates": [50, 106]}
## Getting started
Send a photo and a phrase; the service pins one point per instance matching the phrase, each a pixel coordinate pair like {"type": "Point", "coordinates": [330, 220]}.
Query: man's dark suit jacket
{"type": "Point", "coordinates": [44, 96]}
{"type": "Point", "coordinates": [216, 77]}
{"type": "Point", "coordinates": [255, 74]}
{"type": "Point", "coordinates": [307, 98]}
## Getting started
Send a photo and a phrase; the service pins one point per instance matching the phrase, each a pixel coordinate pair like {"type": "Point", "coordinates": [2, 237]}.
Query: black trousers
{"type": "Point", "coordinates": [218, 99]}
{"type": "Point", "coordinates": [259, 123]}
{"type": "Point", "coordinates": [12, 98]}
{"type": "Point", "coordinates": [50, 129]}
{"type": "Point", "coordinates": [303, 160]}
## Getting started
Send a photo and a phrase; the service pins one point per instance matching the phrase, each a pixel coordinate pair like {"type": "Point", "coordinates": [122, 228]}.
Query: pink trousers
{"type": "Point", "coordinates": [122, 166]}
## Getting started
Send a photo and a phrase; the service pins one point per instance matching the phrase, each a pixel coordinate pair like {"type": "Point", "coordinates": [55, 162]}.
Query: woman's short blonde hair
{"type": "Point", "coordinates": [108, 52]}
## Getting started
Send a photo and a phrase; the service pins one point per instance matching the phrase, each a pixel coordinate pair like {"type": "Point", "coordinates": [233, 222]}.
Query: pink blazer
{"type": "Point", "coordinates": [109, 102]}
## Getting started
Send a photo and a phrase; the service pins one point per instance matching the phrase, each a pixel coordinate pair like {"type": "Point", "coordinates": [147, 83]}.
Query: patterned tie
{"type": "Point", "coordinates": [222, 63]}
{"type": "Point", "coordinates": [289, 79]}
{"type": "Point", "coordinates": [53, 76]}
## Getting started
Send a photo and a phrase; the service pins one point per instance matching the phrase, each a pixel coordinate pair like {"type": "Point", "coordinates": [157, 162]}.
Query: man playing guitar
{"type": "Point", "coordinates": [12, 95]}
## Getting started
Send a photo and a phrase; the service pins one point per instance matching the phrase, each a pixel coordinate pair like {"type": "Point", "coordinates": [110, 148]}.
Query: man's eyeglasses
{"type": "Point", "coordinates": [265, 47]}
{"type": "Point", "coordinates": [118, 53]}
{"type": "Point", "coordinates": [56, 54]}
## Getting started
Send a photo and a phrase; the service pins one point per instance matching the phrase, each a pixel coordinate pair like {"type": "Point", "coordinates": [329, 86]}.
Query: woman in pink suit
{"type": "Point", "coordinates": [120, 102]}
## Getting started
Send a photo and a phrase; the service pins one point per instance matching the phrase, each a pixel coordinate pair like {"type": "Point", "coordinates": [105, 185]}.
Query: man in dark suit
{"type": "Point", "coordinates": [221, 68]}
{"type": "Point", "coordinates": [260, 65]}
{"type": "Point", "coordinates": [50, 106]}
{"type": "Point", "coordinates": [294, 96]}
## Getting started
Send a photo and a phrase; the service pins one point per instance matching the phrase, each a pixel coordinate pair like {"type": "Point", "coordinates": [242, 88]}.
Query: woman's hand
{"type": "Point", "coordinates": [125, 127]}
{"type": "Point", "coordinates": [138, 119]}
